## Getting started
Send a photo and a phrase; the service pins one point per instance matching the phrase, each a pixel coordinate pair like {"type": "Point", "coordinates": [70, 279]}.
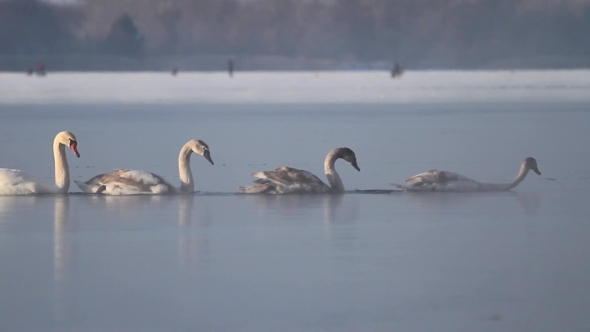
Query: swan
{"type": "Point", "coordinates": [131, 182]}
{"type": "Point", "coordinates": [17, 182]}
{"type": "Point", "coordinates": [287, 180]}
{"type": "Point", "coordinates": [436, 180]}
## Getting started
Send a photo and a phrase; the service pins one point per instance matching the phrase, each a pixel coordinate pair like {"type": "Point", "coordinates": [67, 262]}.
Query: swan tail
{"type": "Point", "coordinates": [255, 189]}
{"type": "Point", "coordinates": [429, 187]}
{"type": "Point", "coordinates": [401, 186]}
{"type": "Point", "coordinates": [90, 188]}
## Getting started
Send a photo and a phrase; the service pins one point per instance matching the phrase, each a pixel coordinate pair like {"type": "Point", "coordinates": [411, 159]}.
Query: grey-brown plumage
{"type": "Point", "coordinates": [435, 176]}
{"type": "Point", "coordinates": [435, 180]}
{"type": "Point", "coordinates": [287, 180]}
{"type": "Point", "coordinates": [132, 182]}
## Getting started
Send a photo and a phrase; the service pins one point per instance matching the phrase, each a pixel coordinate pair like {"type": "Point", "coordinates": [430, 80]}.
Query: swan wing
{"type": "Point", "coordinates": [436, 177]}
{"type": "Point", "coordinates": [127, 182]}
{"type": "Point", "coordinates": [287, 176]}
{"type": "Point", "coordinates": [435, 180]}
{"type": "Point", "coordinates": [17, 182]}
{"type": "Point", "coordinates": [286, 180]}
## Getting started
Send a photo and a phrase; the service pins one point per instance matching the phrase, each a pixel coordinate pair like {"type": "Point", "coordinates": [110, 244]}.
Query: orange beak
{"type": "Point", "coordinates": [74, 147]}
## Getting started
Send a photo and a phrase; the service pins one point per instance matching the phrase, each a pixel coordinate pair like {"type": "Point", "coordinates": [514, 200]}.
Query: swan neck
{"type": "Point", "coordinates": [62, 170]}
{"type": "Point", "coordinates": [520, 177]}
{"type": "Point", "coordinates": [508, 186]}
{"type": "Point", "coordinates": [184, 170]}
{"type": "Point", "coordinates": [330, 171]}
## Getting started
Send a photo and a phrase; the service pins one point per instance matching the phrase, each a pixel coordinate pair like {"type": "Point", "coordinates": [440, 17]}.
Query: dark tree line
{"type": "Point", "coordinates": [31, 26]}
{"type": "Point", "coordinates": [124, 38]}
{"type": "Point", "coordinates": [427, 33]}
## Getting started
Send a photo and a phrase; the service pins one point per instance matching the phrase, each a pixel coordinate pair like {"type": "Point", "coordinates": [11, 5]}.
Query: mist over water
{"type": "Point", "coordinates": [218, 261]}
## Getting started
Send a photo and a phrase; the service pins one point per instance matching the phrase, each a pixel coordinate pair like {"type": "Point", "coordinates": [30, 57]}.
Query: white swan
{"type": "Point", "coordinates": [287, 180]}
{"type": "Point", "coordinates": [17, 182]}
{"type": "Point", "coordinates": [435, 180]}
{"type": "Point", "coordinates": [131, 182]}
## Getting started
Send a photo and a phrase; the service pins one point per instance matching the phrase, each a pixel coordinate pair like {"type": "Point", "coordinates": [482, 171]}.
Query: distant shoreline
{"type": "Point", "coordinates": [205, 63]}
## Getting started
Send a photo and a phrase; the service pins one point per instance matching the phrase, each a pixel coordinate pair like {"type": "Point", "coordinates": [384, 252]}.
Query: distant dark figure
{"type": "Point", "coordinates": [397, 70]}
{"type": "Point", "coordinates": [30, 71]}
{"type": "Point", "coordinates": [174, 71]}
{"type": "Point", "coordinates": [230, 68]}
{"type": "Point", "coordinates": [40, 68]}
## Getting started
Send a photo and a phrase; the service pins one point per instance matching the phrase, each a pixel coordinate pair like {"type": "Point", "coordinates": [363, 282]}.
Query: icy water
{"type": "Point", "coordinates": [219, 261]}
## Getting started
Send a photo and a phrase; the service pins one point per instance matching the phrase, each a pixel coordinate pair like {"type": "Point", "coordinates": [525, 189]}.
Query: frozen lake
{"type": "Point", "coordinates": [218, 261]}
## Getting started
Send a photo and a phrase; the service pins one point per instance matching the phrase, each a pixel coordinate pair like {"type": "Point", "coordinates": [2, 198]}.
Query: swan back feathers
{"type": "Point", "coordinates": [129, 181]}
{"type": "Point", "coordinates": [436, 176]}
{"type": "Point", "coordinates": [286, 180]}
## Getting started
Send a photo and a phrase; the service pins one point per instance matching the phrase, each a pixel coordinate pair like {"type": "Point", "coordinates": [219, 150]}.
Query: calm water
{"type": "Point", "coordinates": [218, 261]}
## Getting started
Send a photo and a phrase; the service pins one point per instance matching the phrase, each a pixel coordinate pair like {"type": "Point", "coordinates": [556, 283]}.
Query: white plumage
{"type": "Point", "coordinates": [17, 182]}
{"type": "Point", "coordinates": [126, 182]}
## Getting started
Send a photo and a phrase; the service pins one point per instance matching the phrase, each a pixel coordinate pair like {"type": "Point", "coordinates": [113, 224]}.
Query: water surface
{"type": "Point", "coordinates": [218, 261]}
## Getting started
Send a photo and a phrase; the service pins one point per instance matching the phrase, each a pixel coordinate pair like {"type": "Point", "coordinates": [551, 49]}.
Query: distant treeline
{"type": "Point", "coordinates": [418, 33]}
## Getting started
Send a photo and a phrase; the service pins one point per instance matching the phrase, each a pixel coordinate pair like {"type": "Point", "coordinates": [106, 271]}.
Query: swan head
{"type": "Point", "coordinates": [200, 147]}
{"type": "Point", "coordinates": [531, 163]}
{"type": "Point", "coordinates": [68, 139]}
{"type": "Point", "coordinates": [348, 155]}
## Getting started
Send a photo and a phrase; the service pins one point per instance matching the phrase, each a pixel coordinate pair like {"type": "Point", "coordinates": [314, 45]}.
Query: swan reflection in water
{"type": "Point", "coordinates": [193, 243]}
{"type": "Point", "coordinates": [62, 257]}
{"type": "Point", "coordinates": [337, 213]}
{"type": "Point", "coordinates": [297, 207]}
{"type": "Point", "coordinates": [461, 203]}
{"type": "Point", "coordinates": [27, 213]}
{"type": "Point", "coordinates": [133, 203]}
{"type": "Point", "coordinates": [167, 210]}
